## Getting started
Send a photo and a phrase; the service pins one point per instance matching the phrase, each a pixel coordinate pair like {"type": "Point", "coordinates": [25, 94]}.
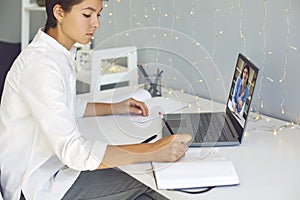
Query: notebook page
{"type": "Point", "coordinates": [199, 168]}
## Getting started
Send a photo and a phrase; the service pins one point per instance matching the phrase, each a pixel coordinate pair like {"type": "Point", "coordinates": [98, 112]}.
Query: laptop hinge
{"type": "Point", "coordinates": [231, 127]}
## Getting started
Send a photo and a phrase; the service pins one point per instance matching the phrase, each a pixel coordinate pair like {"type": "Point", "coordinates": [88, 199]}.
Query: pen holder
{"type": "Point", "coordinates": [152, 83]}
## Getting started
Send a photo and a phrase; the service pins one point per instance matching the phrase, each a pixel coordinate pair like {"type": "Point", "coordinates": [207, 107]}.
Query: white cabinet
{"type": "Point", "coordinates": [27, 7]}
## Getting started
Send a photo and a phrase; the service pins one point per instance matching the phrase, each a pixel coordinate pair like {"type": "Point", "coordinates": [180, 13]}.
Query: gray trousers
{"type": "Point", "coordinates": [109, 184]}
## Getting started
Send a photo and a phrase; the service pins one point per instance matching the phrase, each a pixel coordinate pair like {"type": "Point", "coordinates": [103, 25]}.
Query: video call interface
{"type": "Point", "coordinates": [242, 95]}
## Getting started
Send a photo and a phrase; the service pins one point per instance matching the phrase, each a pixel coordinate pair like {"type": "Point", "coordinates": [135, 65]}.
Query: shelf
{"type": "Point", "coordinates": [34, 7]}
{"type": "Point", "coordinates": [28, 7]}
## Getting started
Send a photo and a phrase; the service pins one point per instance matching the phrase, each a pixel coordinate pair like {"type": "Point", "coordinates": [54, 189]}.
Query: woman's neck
{"type": "Point", "coordinates": [60, 38]}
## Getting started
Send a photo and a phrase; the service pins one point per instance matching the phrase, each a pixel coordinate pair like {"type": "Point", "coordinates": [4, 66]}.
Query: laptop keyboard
{"type": "Point", "coordinates": [208, 127]}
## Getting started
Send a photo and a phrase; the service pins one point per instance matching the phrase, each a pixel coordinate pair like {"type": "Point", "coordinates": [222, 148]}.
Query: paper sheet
{"type": "Point", "coordinates": [156, 105]}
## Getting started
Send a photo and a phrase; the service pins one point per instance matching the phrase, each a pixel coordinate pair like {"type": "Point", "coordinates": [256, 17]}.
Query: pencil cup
{"type": "Point", "coordinates": [152, 83]}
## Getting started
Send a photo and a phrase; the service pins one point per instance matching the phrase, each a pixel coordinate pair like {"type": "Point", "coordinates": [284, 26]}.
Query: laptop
{"type": "Point", "coordinates": [220, 128]}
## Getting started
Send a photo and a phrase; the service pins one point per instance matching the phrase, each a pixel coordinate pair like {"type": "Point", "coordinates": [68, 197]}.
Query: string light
{"type": "Point", "coordinates": [242, 35]}
{"type": "Point", "coordinates": [269, 126]}
{"type": "Point", "coordinates": [130, 15]}
{"type": "Point", "coordinates": [192, 13]}
{"type": "Point", "coordinates": [283, 79]}
{"type": "Point", "coordinates": [263, 32]}
{"type": "Point", "coordinates": [215, 12]}
{"type": "Point", "coordinates": [154, 9]}
{"type": "Point", "coordinates": [193, 19]}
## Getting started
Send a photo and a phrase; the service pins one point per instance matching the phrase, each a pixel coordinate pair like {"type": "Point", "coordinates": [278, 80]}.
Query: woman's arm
{"type": "Point", "coordinates": [235, 91]}
{"type": "Point", "coordinates": [127, 106]}
{"type": "Point", "coordinates": [167, 149]}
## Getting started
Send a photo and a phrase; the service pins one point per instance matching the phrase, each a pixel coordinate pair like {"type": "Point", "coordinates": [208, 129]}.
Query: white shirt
{"type": "Point", "coordinates": [41, 150]}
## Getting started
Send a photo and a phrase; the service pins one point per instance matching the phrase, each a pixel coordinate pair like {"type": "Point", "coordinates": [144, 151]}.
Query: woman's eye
{"type": "Point", "coordinates": [86, 15]}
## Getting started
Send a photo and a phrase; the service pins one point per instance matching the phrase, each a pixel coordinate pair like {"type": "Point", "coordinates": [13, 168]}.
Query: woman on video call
{"type": "Point", "coordinates": [240, 92]}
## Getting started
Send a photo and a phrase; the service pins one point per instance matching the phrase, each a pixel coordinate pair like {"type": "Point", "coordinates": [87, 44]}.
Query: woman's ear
{"type": "Point", "coordinates": [58, 12]}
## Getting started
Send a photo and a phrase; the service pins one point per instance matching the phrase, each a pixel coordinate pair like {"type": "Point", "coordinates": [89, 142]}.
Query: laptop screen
{"type": "Point", "coordinates": [241, 93]}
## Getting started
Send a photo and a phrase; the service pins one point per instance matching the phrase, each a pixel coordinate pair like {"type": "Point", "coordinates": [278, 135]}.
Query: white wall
{"type": "Point", "coordinates": [270, 31]}
{"type": "Point", "coordinates": [10, 21]}
{"type": "Point", "coordinates": [10, 14]}
{"type": "Point", "coordinates": [270, 39]}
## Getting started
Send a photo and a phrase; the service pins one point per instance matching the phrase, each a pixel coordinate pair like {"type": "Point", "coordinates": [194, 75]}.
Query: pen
{"type": "Point", "coordinates": [160, 73]}
{"type": "Point", "coordinates": [166, 123]}
{"type": "Point", "coordinates": [141, 68]}
{"type": "Point", "coordinates": [149, 139]}
{"type": "Point", "coordinates": [154, 85]}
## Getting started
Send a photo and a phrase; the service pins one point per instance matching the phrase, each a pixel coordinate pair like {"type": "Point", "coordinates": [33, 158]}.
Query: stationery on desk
{"type": "Point", "coordinates": [158, 105]}
{"type": "Point", "coordinates": [152, 81]}
{"type": "Point", "coordinates": [200, 167]}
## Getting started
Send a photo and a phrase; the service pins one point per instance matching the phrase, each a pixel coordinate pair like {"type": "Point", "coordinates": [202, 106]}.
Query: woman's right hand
{"type": "Point", "coordinates": [170, 148]}
{"type": "Point", "coordinates": [167, 149]}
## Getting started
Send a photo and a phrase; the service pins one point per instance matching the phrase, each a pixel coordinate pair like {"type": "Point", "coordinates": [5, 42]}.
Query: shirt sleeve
{"type": "Point", "coordinates": [235, 91]}
{"type": "Point", "coordinates": [45, 90]}
{"type": "Point", "coordinates": [80, 107]}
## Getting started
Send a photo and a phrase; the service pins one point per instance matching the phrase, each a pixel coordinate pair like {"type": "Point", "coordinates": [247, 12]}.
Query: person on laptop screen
{"type": "Point", "coordinates": [240, 92]}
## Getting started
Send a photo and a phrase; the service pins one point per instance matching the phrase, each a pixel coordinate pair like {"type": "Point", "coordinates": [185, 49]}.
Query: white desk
{"type": "Point", "coordinates": [267, 164]}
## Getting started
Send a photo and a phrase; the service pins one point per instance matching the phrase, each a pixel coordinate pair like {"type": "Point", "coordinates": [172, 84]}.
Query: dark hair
{"type": "Point", "coordinates": [248, 68]}
{"type": "Point", "coordinates": [66, 6]}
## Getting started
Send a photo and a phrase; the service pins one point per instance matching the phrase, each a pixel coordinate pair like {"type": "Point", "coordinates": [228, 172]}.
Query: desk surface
{"type": "Point", "coordinates": [267, 162]}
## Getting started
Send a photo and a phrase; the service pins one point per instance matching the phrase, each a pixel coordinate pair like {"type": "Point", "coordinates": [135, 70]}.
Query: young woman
{"type": "Point", "coordinates": [42, 153]}
{"type": "Point", "coordinates": [240, 92]}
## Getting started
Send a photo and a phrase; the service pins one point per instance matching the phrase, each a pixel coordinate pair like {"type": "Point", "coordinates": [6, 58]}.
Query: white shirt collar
{"type": "Point", "coordinates": [41, 35]}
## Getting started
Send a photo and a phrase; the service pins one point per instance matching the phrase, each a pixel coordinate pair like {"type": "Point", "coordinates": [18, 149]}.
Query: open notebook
{"type": "Point", "coordinates": [201, 167]}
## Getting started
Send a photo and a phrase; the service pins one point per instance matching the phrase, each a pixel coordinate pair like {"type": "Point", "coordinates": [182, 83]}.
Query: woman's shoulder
{"type": "Point", "coordinates": [238, 80]}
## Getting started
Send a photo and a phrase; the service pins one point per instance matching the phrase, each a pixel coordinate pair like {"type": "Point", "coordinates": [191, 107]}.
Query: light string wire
{"type": "Point", "coordinates": [130, 15]}
{"type": "Point", "coordinates": [172, 28]}
{"type": "Point", "coordinates": [173, 19]}
{"type": "Point", "coordinates": [263, 32]}
{"type": "Point", "coordinates": [193, 35]}
{"type": "Point", "coordinates": [194, 62]}
{"type": "Point", "coordinates": [111, 14]}
{"type": "Point", "coordinates": [242, 34]}
{"type": "Point", "coordinates": [283, 80]}
{"type": "Point", "coordinates": [216, 34]}
{"type": "Point", "coordinates": [275, 129]}
{"type": "Point", "coordinates": [291, 125]}
{"type": "Point", "coordinates": [192, 13]}
{"type": "Point", "coordinates": [158, 9]}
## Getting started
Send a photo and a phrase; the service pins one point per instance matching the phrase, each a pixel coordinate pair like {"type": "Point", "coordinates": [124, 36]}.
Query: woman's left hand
{"type": "Point", "coordinates": [130, 106]}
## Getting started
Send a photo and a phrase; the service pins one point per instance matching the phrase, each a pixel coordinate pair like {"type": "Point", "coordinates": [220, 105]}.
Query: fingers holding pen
{"type": "Point", "coordinates": [179, 145]}
{"type": "Point", "coordinates": [171, 148]}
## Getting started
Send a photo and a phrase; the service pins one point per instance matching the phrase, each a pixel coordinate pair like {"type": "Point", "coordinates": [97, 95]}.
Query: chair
{"type": "Point", "coordinates": [8, 52]}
